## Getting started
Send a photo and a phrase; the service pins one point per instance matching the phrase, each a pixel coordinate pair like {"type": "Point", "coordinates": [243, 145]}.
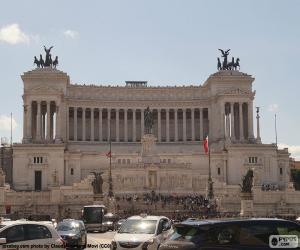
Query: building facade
{"type": "Point", "coordinates": [67, 128]}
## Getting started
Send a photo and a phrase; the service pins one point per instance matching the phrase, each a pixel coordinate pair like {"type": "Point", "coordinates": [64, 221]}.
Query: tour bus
{"type": "Point", "coordinates": [92, 216]}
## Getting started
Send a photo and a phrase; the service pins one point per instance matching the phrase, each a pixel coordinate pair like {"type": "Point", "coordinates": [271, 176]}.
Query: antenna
{"type": "Point", "coordinates": [275, 131]}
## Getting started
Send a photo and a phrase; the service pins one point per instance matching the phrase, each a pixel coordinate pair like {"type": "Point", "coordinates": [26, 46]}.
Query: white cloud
{"type": "Point", "coordinates": [71, 34]}
{"type": "Point", "coordinates": [5, 123]}
{"type": "Point", "coordinates": [12, 34]}
{"type": "Point", "coordinates": [293, 149]}
{"type": "Point", "coordinates": [273, 107]}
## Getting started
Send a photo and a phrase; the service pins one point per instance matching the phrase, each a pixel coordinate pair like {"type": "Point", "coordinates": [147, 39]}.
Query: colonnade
{"type": "Point", "coordinates": [238, 121]}
{"type": "Point", "coordinates": [41, 121]}
{"type": "Point", "coordinates": [127, 125]}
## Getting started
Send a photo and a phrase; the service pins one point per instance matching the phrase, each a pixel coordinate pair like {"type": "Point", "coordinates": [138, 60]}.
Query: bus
{"type": "Point", "coordinates": [92, 216]}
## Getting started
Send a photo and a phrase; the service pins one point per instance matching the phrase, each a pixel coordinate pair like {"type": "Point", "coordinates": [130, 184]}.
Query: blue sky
{"type": "Point", "coordinates": [164, 42]}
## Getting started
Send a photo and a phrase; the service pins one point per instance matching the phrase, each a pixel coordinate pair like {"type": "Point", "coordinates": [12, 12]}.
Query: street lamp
{"type": "Point", "coordinates": [110, 183]}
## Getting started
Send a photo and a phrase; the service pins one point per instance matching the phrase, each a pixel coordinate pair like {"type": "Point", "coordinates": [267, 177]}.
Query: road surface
{"type": "Point", "coordinates": [99, 240]}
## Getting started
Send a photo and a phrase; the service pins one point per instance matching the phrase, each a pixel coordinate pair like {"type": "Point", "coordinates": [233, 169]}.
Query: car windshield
{"type": "Point", "coordinates": [138, 227]}
{"type": "Point", "coordinates": [67, 227]}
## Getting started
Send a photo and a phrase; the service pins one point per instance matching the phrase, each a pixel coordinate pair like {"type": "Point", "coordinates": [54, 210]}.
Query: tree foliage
{"type": "Point", "coordinates": [295, 173]}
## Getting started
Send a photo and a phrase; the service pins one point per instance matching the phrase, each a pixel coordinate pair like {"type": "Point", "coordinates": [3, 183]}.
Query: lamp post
{"type": "Point", "coordinates": [110, 187]}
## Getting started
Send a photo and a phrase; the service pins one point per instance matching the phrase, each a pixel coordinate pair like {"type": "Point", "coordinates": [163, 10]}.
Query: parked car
{"type": "Point", "coordinates": [35, 235]}
{"type": "Point", "coordinates": [109, 221]}
{"type": "Point", "coordinates": [142, 232]}
{"type": "Point", "coordinates": [239, 234]}
{"type": "Point", "coordinates": [119, 224]}
{"type": "Point", "coordinates": [73, 233]}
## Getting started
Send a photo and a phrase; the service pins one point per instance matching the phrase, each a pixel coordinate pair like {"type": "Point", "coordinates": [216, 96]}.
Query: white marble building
{"type": "Point", "coordinates": [67, 128]}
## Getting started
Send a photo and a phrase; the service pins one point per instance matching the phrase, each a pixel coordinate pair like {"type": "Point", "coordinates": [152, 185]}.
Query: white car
{"type": "Point", "coordinates": [29, 235]}
{"type": "Point", "coordinates": [142, 232]}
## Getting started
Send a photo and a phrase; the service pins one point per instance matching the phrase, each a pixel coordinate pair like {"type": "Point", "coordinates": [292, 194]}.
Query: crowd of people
{"type": "Point", "coordinates": [152, 203]}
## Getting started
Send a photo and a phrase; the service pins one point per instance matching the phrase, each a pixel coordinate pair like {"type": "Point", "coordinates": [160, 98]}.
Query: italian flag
{"type": "Point", "coordinates": [205, 145]}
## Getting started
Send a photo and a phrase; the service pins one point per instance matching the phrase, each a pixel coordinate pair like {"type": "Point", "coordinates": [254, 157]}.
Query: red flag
{"type": "Point", "coordinates": [205, 145]}
{"type": "Point", "coordinates": [108, 154]}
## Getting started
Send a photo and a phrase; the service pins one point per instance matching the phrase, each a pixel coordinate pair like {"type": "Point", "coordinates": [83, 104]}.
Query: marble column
{"type": "Point", "coordinates": [38, 121]}
{"type": "Point", "coordinates": [250, 120]}
{"type": "Point", "coordinates": [241, 121]}
{"type": "Point", "coordinates": [193, 123]}
{"type": "Point", "coordinates": [25, 113]}
{"type": "Point", "coordinates": [142, 123]}
{"type": "Point", "coordinates": [58, 122]}
{"type": "Point", "coordinates": [68, 123]}
{"type": "Point", "coordinates": [108, 124]}
{"type": "Point", "coordinates": [201, 123]}
{"type": "Point", "coordinates": [29, 120]}
{"type": "Point", "coordinates": [227, 126]}
{"type": "Point", "coordinates": [222, 121]}
{"type": "Point", "coordinates": [48, 121]}
{"type": "Point", "coordinates": [100, 125]}
{"type": "Point", "coordinates": [43, 126]}
{"type": "Point", "coordinates": [232, 121]}
{"type": "Point", "coordinates": [167, 125]}
{"type": "Point", "coordinates": [75, 124]}
{"type": "Point", "coordinates": [117, 125]}
{"type": "Point", "coordinates": [125, 126]}
{"type": "Point", "coordinates": [176, 124]}
{"type": "Point", "coordinates": [258, 139]}
{"type": "Point", "coordinates": [134, 125]}
{"type": "Point", "coordinates": [92, 125]}
{"type": "Point", "coordinates": [159, 124]}
{"type": "Point", "coordinates": [83, 124]}
{"type": "Point", "coordinates": [184, 124]}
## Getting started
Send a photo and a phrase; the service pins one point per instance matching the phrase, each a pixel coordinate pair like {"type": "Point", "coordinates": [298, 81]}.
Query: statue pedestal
{"type": "Point", "coordinates": [246, 204]}
{"type": "Point", "coordinates": [148, 144]}
{"type": "Point", "coordinates": [98, 199]}
{"type": "Point", "coordinates": [149, 153]}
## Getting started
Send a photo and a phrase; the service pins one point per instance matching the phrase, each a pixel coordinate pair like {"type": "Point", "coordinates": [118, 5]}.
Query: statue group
{"type": "Point", "coordinates": [48, 62]}
{"type": "Point", "coordinates": [233, 65]}
{"type": "Point", "coordinates": [148, 121]}
{"type": "Point", "coordinates": [247, 183]}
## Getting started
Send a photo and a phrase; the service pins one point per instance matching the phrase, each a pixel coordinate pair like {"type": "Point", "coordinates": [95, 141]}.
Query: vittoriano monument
{"type": "Point", "coordinates": [233, 65]}
{"type": "Point", "coordinates": [48, 62]}
{"type": "Point", "coordinates": [148, 121]}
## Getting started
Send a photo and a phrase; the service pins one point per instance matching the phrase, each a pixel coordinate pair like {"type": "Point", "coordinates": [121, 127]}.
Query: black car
{"type": "Point", "coordinates": [237, 234]}
{"type": "Point", "coordinates": [73, 233]}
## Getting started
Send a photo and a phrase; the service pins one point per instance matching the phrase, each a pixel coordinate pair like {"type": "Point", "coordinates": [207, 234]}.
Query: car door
{"type": "Point", "coordinates": [258, 234]}
{"type": "Point", "coordinates": [163, 230]}
{"type": "Point", "coordinates": [15, 237]}
{"type": "Point", "coordinates": [38, 236]}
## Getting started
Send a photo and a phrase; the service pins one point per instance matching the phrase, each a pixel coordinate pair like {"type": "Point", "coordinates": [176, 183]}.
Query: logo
{"type": "Point", "coordinates": [283, 241]}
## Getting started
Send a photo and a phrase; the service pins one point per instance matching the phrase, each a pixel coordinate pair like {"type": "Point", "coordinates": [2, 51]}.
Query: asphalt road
{"type": "Point", "coordinates": [100, 240]}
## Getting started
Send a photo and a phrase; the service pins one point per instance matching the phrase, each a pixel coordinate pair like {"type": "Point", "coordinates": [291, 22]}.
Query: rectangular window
{"type": "Point", "coordinates": [219, 171]}
{"type": "Point", "coordinates": [252, 160]}
{"type": "Point", "coordinates": [280, 170]}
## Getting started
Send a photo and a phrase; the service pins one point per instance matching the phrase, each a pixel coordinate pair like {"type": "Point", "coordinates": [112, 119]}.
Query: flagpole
{"type": "Point", "coordinates": [275, 131]}
{"type": "Point", "coordinates": [210, 194]}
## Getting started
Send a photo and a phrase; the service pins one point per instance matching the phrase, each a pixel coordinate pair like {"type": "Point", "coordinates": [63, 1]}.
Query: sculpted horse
{"type": "Point", "coordinates": [55, 62]}
{"type": "Point", "coordinates": [230, 64]}
{"type": "Point", "coordinates": [42, 63]}
{"type": "Point", "coordinates": [219, 64]}
{"type": "Point", "coordinates": [237, 64]}
{"type": "Point", "coordinates": [37, 62]}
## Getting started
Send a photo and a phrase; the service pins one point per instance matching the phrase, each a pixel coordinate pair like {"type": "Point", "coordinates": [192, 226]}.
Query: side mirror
{"type": "Point", "coordinates": [2, 240]}
{"type": "Point", "coordinates": [166, 226]}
